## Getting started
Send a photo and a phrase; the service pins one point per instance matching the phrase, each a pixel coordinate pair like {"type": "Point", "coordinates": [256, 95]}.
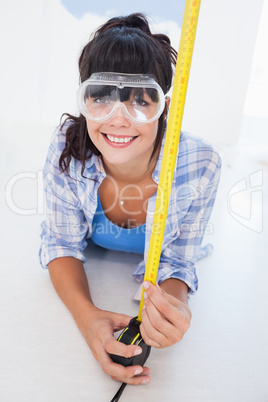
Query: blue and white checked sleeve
{"type": "Point", "coordinates": [179, 257]}
{"type": "Point", "coordinates": [65, 228]}
{"type": "Point", "coordinates": [181, 248]}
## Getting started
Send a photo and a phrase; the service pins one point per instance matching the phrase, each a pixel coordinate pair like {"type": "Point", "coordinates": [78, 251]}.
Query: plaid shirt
{"type": "Point", "coordinates": [72, 201]}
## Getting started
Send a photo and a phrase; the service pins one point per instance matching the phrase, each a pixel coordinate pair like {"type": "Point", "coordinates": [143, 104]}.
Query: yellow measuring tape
{"type": "Point", "coordinates": [181, 78]}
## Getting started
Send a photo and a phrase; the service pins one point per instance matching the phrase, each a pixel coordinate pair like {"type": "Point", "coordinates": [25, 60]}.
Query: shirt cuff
{"type": "Point", "coordinates": [46, 256]}
{"type": "Point", "coordinates": [166, 271]}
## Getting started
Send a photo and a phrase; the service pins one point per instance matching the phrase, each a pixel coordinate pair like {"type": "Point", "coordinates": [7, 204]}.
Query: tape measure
{"type": "Point", "coordinates": [131, 334]}
{"type": "Point", "coordinates": [181, 78]}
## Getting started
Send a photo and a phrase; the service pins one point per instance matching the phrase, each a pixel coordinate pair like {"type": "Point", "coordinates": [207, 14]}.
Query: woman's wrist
{"type": "Point", "coordinates": [84, 315]}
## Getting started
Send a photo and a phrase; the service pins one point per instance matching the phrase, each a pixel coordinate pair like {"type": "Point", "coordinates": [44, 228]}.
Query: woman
{"type": "Point", "coordinates": [102, 170]}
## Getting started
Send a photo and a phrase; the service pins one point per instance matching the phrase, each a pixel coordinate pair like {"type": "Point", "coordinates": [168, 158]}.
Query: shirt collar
{"type": "Point", "coordinates": [93, 168]}
{"type": "Point", "coordinates": [97, 161]}
{"type": "Point", "coordinates": [157, 170]}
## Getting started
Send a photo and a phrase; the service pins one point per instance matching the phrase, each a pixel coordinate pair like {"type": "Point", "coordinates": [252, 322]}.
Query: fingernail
{"type": "Point", "coordinates": [145, 381]}
{"type": "Point", "coordinates": [138, 371]}
{"type": "Point", "coordinates": [145, 285]}
{"type": "Point", "coordinates": [145, 295]}
{"type": "Point", "coordinates": [137, 352]}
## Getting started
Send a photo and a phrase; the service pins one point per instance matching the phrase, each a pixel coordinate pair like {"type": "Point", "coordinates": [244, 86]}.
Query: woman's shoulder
{"type": "Point", "coordinates": [56, 147]}
{"type": "Point", "coordinates": [194, 149]}
{"type": "Point", "coordinates": [197, 160]}
{"type": "Point", "coordinates": [58, 139]}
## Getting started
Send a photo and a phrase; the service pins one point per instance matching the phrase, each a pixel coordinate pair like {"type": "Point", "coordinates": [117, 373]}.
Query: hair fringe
{"type": "Point", "coordinates": [78, 143]}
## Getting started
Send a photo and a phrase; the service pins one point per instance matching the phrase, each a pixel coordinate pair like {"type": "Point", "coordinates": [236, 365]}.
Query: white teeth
{"type": "Point", "coordinates": [119, 140]}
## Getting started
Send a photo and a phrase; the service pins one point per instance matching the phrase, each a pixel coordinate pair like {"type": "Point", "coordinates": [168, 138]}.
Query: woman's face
{"type": "Point", "coordinates": [122, 143]}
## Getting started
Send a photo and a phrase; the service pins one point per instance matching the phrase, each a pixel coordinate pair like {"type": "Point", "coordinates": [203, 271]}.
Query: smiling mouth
{"type": "Point", "coordinates": [119, 140]}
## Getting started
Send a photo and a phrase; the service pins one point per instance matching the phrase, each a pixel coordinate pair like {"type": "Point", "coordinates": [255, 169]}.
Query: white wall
{"type": "Point", "coordinates": [41, 41]}
{"type": "Point", "coordinates": [257, 95]}
{"type": "Point", "coordinates": [221, 68]}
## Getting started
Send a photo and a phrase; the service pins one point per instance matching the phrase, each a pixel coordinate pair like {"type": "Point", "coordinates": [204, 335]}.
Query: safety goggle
{"type": "Point", "coordinates": [138, 97]}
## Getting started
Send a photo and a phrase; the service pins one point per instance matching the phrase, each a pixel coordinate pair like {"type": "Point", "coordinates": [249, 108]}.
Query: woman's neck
{"type": "Point", "coordinates": [130, 172]}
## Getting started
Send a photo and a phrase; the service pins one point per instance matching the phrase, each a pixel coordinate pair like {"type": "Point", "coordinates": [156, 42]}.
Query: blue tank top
{"type": "Point", "coordinates": [108, 235]}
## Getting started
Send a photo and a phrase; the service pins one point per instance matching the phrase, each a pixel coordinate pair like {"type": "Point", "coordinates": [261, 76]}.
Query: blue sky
{"type": "Point", "coordinates": [161, 10]}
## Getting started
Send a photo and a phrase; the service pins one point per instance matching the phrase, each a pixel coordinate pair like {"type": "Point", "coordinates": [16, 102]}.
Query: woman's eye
{"type": "Point", "coordinates": [103, 99]}
{"type": "Point", "coordinates": [139, 102]}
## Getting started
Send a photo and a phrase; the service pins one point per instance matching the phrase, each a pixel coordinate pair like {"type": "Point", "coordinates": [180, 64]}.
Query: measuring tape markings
{"type": "Point", "coordinates": [171, 145]}
{"type": "Point", "coordinates": [170, 152]}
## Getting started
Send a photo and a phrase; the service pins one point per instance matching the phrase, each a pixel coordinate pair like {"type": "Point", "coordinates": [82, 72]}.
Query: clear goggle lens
{"type": "Point", "coordinates": [104, 95]}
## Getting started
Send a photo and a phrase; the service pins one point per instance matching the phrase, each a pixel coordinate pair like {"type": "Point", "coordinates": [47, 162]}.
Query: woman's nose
{"type": "Point", "coordinates": [119, 118]}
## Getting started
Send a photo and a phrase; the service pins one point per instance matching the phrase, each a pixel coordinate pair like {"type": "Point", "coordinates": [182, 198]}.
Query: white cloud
{"type": "Point", "coordinates": [169, 28]}
{"type": "Point", "coordinates": [41, 46]}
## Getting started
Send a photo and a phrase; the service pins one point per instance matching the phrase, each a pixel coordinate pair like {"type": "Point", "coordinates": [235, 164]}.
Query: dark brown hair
{"type": "Point", "coordinates": [122, 45]}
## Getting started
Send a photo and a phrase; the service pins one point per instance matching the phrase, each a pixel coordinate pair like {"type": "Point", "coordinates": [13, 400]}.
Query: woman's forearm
{"type": "Point", "coordinates": [176, 288]}
{"type": "Point", "coordinates": [70, 282]}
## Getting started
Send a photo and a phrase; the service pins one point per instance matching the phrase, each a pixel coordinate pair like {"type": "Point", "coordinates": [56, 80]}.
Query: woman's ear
{"type": "Point", "coordinates": [167, 99]}
{"type": "Point", "coordinates": [167, 103]}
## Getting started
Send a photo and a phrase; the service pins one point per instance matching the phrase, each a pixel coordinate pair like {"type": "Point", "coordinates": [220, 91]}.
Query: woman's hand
{"type": "Point", "coordinates": [165, 319]}
{"type": "Point", "coordinates": [99, 334]}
